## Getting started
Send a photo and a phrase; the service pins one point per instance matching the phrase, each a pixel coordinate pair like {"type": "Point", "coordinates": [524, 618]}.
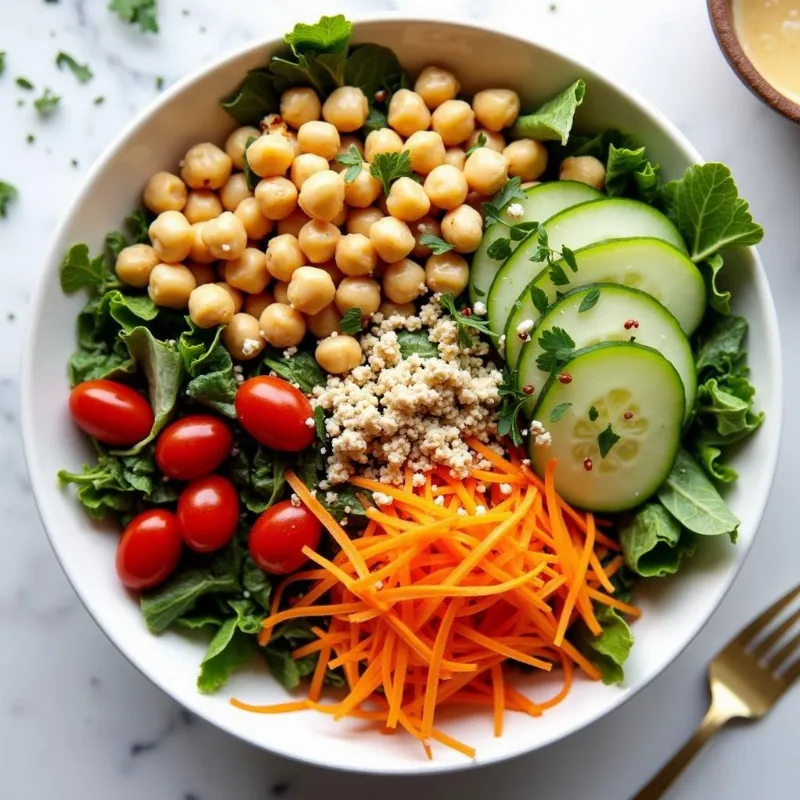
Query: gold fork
{"type": "Point", "coordinates": [744, 684]}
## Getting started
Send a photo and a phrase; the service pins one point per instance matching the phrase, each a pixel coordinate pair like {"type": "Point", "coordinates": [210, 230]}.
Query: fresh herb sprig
{"type": "Point", "coordinates": [466, 323]}
{"type": "Point", "coordinates": [7, 194]}
{"type": "Point", "coordinates": [501, 248]}
{"type": "Point", "coordinates": [435, 244]}
{"type": "Point", "coordinates": [544, 254]}
{"type": "Point", "coordinates": [480, 142]}
{"type": "Point", "coordinates": [558, 347]}
{"type": "Point", "coordinates": [389, 167]}
{"type": "Point", "coordinates": [137, 12]}
{"type": "Point", "coordinates": [354, 162]}
{"type": "Point", "coordinates": [47, 103]}
{"type": "Point", "coordinates": [513, 399]}
{"type": "Point", "coordinates": [80, 71]}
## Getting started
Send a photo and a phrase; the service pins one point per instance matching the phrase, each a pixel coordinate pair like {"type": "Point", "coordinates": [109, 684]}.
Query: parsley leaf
{"type": "Point", "coordinates": [558, 347]}
{"type": "Point", "coordinates": [78, 269]}
{"type": "Point", "coordinates": [25, 84]}
{"type": "Point", "coordinates": [436, 245]}
{"type": "Point", "coordinates": [47, 103]}
{"type": "Point", "coordinates": [557, 275]}
{"type": "Point", "coordinates": [7, 193]}
{"type": "Point", "coordinates": [137, 12]}
{"type": "Point", "coordinates": [512, 402]}
{"type": "Point", "coordinates": [80, 71]}
{"type": "Point", "coordinates": [2, 61]}
{"type": "Point", "coordinates": [329, 35]}
{"type": "Point", "coordinates": [559, 411]}
{"type": "Point", "coordinates": [589, 300]}
{"type": "Point", "coordinates": [497, 205]}
{"type": "Point", "coordinates": [354, 161]}
{"type": "Point", "coordinates": [499, 249]}
{"type": "Point", "coordinates": [569, 258]}
{"type": "Point", "coordinates": [606, 439]}
{"type": "Point", "coordinates": [539, 298]}
{"type": "Point", "coordinates": [319, 423]}
{"type": "Point", "coordinates": [351, 321]}
{"type": "Point", "coordinates": [388, 167]}
{"type": "Point", "coordinates": [593, 414]}
{"type": "Point", "coordinates": [481, 142]}
{"type": "Point", "coordinates": [464, 324]}
{"type": "Point", "coordinates": [553, 121]}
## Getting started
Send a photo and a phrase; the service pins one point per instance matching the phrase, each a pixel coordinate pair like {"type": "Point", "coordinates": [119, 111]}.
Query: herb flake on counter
{"type": "Point", "coordinates": [30, 138]}
{"type": "Point", "coordinates": [137, 12]}
{"type": "Point", "coordinates": [80, 71]}
{"type": "Point", "coordinates": [160, 82]}
{"type": "Point", "coordinates": [7, 194]}
{"type": "Point", "coordinates": [25, 84]}
{"type": "Point", "coordinates": [2, 61]}
{"type": "Point", "coordinates": [389, 167]}
{"type": "Point", "coordinates": [47, 103]}
{"type": "Point", "coordinates": [99, 100]}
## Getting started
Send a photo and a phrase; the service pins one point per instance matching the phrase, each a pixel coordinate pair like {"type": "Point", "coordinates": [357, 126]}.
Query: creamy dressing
{"type": "Point", "coordinates": [769, 31]}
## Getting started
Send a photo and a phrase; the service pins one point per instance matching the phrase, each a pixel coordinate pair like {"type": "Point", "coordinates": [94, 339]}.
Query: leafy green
{"type": "Point", "coordinates": [599, 145]}
{"type": "Point", "coordinates": [229, 650]}
{"type": "Point", "coordinates": [653, 542]}
{"type": "Point", "coordinates": [287, 670]}
{"type": "Point", "coordinates": [257, 582]}
{"type": "Point", "coordinates": [47, 103]}
{"type": "Point", "coordinates": [589, 300]}
{"type": "Point", "coordinates": [628, 171]}
{"type": "Point", "coordinates": [78, 270]}
{"type": "Point", "coordinates": [718, 299]}
{"type": "Point", "coordinates": [137, 12]}
{"type": "Point", "coordinates": [495, 207]}
{"type": "Point", "coordinates": [253, 99]}
{"type": "Point", "coordinates": [373, 68]}
{"type": "Point", "coordinates": [7, 194]}
{"type": "Point", "coordinates": [553, 120]}
{"type": "Point", "coordinates": [610, 650]}
{"type": "Point", "coordinates": [116, 242]}
{"type": "Point", "coordinates": [720, 350]}
{"type": "Point", "coordinates": [388, 167]}
{"type": "Point", "coordinates": [138, 224]}
{"type": "Point", "coordinates": [539, 299]}
{"type": "Point", "coordinates": [559, 411]}
{"type": "Point", "coordinates": [416, 343]}
{"type": "Point", "coordinates": [606, 439]}
{"type": "Point", "coordinates": [558, 348]}
{"type": "Point", "coordinates": [691, 498]}
{"type": "Point", "coordinates": [351, 321]}
{"type": "Point", "coordinates": [465, 323]}
{"type": "Point", "coordinates": [301, 368]}
{"type": "Point", "coordinates": [709, 457]}
{"type": "Point", "coordinates": [726, 407]}
{"type": "Point", "coordinates": [329, 35]}
{"type": "Point", "coordinates": [210, 368]}
{"type": "Point", "coordinates": [346, 502]}
{"type": "Point", "coordinates": [250, 176]}
{"type": "Point", "coordinates": [80, 71]}
{"type": "Point", "coordinates": [512, 401]}
{"type": "Point", "coordinates": [261, 483]}
{"type": "Point", "coordinates": [706, 207]}
{"type": "Point", "coordinates": [436, 245]}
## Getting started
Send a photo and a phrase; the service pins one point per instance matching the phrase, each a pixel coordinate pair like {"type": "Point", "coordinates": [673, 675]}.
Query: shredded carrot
{"type": "Point", "coordinates": [430, 603]}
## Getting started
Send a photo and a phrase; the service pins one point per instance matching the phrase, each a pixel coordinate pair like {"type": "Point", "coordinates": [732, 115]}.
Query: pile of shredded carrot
{"type": "Point", "coordinates": [447, 584]}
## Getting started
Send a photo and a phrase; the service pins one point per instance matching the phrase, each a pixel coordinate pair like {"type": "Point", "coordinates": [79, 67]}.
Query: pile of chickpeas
{"type": "Point", "coordinates": [293, 256]}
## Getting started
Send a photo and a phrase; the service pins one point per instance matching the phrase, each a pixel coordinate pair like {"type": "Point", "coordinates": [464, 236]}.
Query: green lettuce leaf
{"type": "Point", "coordinates": [726, 407]}
{"type": "Point", "coordinates": [621, 165]}
{"type": "Point", "coordinates": [599, 145]}
{"type": "Point", "coordinates": [253, 99]}
{"type": "Point", "coordinates": [79, 271]}
{"type": "Point", "coordinates": [609, 651]}
{"type": "Point", "coordinates": [257, 582]}
{"type": "Point", "coordinates": [210, 368]}
{"type": "Point", "coordinates": [720, 350]}
{"type": "Point", "coordinates": [718, 299]}
{"type": "Point", "coordinates": [709, 457]}
{"type": "Point", "coordinates": [229, 649]}
{"type": "Point", "coordinates": [301, 368]}
{"type": "Point", "coordinates": [654, 544]}
{"type": "Point", "coordinates": [553, 121]}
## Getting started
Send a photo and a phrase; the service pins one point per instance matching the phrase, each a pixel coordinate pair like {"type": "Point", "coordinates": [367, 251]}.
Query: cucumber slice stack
{"type": "Point", "coordinates": [616, 392]}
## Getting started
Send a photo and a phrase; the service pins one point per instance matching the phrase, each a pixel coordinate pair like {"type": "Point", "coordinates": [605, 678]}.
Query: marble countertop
{"type": "Point", "coordinates": [76, 720]}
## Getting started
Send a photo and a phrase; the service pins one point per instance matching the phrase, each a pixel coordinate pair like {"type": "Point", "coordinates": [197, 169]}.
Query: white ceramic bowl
{"type": "Point", "coordinates": [674, 610]}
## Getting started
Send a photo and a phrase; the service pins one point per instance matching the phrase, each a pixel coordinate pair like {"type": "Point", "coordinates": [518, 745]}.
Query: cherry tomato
{"type": "Point", "coordinates": [193, 447]}
{"type": "Point", "coordinates": [149, 549]}
{"type": "Point", "coordinates": [111, 412]}
{"type": "Point", "coordinates": [276, 414]}
{"type": "Point", "coordinates": [278, 536]}
{"type": "Point", "coordinates": [208, 513]}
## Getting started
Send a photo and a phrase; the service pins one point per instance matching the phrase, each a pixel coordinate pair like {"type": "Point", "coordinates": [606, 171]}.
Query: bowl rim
{"type": "Point", "coordinates": [53, 257]}
{"type": "Point", "coordinates": [722, 22]}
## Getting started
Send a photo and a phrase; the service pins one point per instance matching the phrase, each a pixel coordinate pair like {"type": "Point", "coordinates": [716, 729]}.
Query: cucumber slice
{"type": "Point", "coordinates": [635, 390]}
{"type": "Point", "coordinates": [606, 321]}
{"type": "Point", "coordinates": [541, 203]}
{"type": "Point", "coordinates": [649, 265]}
{"type": "Point", "coordinates": [588, 223]}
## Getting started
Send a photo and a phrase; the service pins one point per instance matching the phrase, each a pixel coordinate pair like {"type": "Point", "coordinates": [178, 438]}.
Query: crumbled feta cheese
{"type": "Point", "coordinates": [378, 584]}
{"type": "Point", "coordinates": [417, 479]}
{"type": "Point", "coordinates": [505, 488]}
{"type": "Point", "coordinates": [295, 500]}
{"type": "Point", "coordinates": [439, 501]}
{"type": "Point", "coordinates": [516, 210]}
{"type": "Point", "coordinates": [246, 594]}
{"type": "Point", "coordinates": [234, 451]}
{"type": "Point", "coordinates": [526, 462]}
{"type": "Point", "coordinates": [480, 510]}
{"type": "Point", "coordinates": [238, 377]}
{"type": "Point", "coordinates": [344, 521]}
{"type": "Point", "coordinates": [524, 328]}
{"type": "Point", "coordinates": [331, 497]}
{"type": "Point", "coordinates": [238, 369]}
{"type": "Point", "coordinates": [250, 347]}
{"type": "Point", "coordinates": [382, 499]}
{"type": "Point", "coordinates": [479, 309]}
{"type": "Point", "coordinates": [347, 509]}
{"type": "Point", "coordinates": [481, 488]}
{"type": "Point", "coordinates": [462, 512]}
{"type": "Point", "coordinates": [289, 352]}
{"type": "Point", "coordinates": [310, 422]}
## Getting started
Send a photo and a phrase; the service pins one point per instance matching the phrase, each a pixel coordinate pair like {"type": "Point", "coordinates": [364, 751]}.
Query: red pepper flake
{"type": "Point", "coordinates": [466, 312]}
{"type": "Point", "coordinates": [628, 415]}
{"type": "Point", "coordinates": [528, 389]}
{"type": "Point", "coordinates": [587, 464]}
{"type": "Point", "coordinates": [381, 95]}
{"type": "Point", "coordinates": [631, 323]}
{"type": "Point", "coordinates": [565, 377]}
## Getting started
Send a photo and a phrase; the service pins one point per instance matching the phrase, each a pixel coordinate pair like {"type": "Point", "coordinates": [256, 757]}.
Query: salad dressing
{"type": "Point", "coordinates": [769, 31]}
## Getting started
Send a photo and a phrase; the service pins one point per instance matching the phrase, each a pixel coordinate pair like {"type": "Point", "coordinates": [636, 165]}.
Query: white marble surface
{"type": "Point", "coordinates": [76, 720]}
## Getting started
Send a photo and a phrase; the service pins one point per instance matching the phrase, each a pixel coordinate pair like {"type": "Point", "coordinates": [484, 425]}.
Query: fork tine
{"type": "Point", "coordinates": [791, 674]}
{"type": "Point", "coordinates": [759, 623]}
{"type": "Point", "coordinates": [770, 641]}
{"type": "Point", "coordinates": [783, 654]}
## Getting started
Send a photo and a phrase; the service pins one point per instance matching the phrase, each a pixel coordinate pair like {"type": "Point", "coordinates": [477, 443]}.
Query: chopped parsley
{"type": "Point", "coordinates": [25, 84]}
{"type": "Point", "coordinates": [47, 103]}
{"type": "Point", "coordinates": [99, 100]}
{"type": "Point", "coordinates": [558, 347]}
{"type": "Point", "coordinates": [388, 167]}
{"type": "Point", "coordinates": [589, 300]}
{"type": "Point", "coordinates": [7, 194]}
{"type": "Point", "coordinates": [2, 61]}
{"type": "Point", "coordinates": [160, 82]}
{"type": "Point", "coordinates": [593, 414]}
{"type": "Point", "coordinates": [481, 142]}
{"type": "Point", "coordinates": [539, 299]}
{"type": "Point", "coordinates": [351, 321]}
{"type": "Point", "coordinates": [465, 323]}
{"type": "Point", "coordinates": [30, 138]}
{"type": "Point", "coordinates": [137, 12]}
{"type": "Point", "coordinates": [513, 399]}
{"type": "Point", "coordinates": [606, 439]}
{"type": "Point", "coordinates": [80, 71]}
{"type": "Point", "coordinates": [353, 160]}
{"type": "Point", "coordinates": [436, 245]}
{"type": "Point", "coordinates": [559, 411]}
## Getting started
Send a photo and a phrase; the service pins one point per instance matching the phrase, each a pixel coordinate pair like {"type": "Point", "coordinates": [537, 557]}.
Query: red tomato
{"type": "Point", "coordinates": [276, 414]}
{"type": "Point", "coordinates": [149, 549]}
{"type": "Point", "coordinates": [193, 447]}
{"type": "Point", "coordinates": [208, 513]}
{"type": "Point", "coordinates": [277, 539]}
{"type": "Point", "coordinates": [111, 412]}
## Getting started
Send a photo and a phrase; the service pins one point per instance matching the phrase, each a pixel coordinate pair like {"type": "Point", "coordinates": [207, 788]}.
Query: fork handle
{"type": "Point", "coordinates": [712, 722]}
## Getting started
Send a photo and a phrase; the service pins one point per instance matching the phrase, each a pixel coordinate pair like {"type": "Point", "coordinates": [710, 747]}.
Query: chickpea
{"type": "Point", "coordinates": [340, 220]}
{"type": "Point", "coordinates": [164, 192]}
{"type": "Point", "coordinates": [199, 252]}
{"type": "Point", "coordinates": [284, 256]}
{"type": "Point", "coordinates": [436, 85]}
{"type": "Point", "coordinates": [448, 272]}
{"type": "Point", "coordinates": [271, 155]}
{"type": "Point", "coordinates": [236, 143]}
{"type": "Point", "coordinates": [242, 337]}
{"type": "Point", "coordinates": [282, 326]}
{"type": "Point", "coordinates": [281, 292]}
{"type": "Point", "coordinates": [276, 197]}
{"type": "Point", "coordinates": [300, 105]}
{"type": "Point", "coordinates": [392, 239]}
{"type": "Point", "coordinates": [338, 354]}
{"type": "Point", "coordinates": [404, 281]}
{"type": "Point", "coordinates": [463, 228]}
{"type": "Point", "coordinates": [426, 150]}
{"type": "Point", "coordinates": [235, 295]}
{"type": "Point", "coordinates": [248, 272]}
{"type": "Point", "coordinates": [527, 159]}
{"type": "Point", "coordinates": [446, 187]}
{"type": "Point", "coordinates": [201, 206]}
{"type": "Point", "coordinates": [454, 121]}
{"type": "Point", "coordinates": [486, 171]}
{"type": "Point", "coordinates": [360, 220]}
{"type": "Point", "coordinates": [172, 236]}
{"type": "Point", "coordinates": [455, 157]}
{"type": "Point", "coordinates": [293, 223]}
{"type": "Point", "coordinates": [254, 304]}
{"type": "Point", "coordinates": [333, 270]}
{"type": "Point", "coordinates": [346, 108]}
{"type": "Point", "coordinates": [306, 165]}
{"type": "Point", "coordinates": [584, 169]}
{"type": "Point", "coordinates": [384, 140]}
{"type": "Point", "coordinates": [407, 200]}
{"type": "Point", "coordinates": [494, 141]}
{"type": "Point", "coordinates": [225, 237]}
{"type": "Point", "coordinates": [255, 223]}
{"type": "Point", "coordinates": [205, 166]}
{"type": "Point", "coordinates": [135, 263]}
{"type": "Point", "coordinates": [318, 240]}
{"type": "Point", "coordinates": [355, 255]}
{"type": "Point", "coordinates": [320, 138]}
{"type": "Point", "coordinates": [322, 195]}
{"type": "Point", "coordinates": [496, 109]}
{"type": "Point", "coordinates": [389, 309]}
{"type": "Point", "coordinates": [310, 290]}
{"type": "Point", "coordinates": [210, 305]}
{"type": "Point", "coordinates": [203, 273]}
{"type": "Point", "coordinates": [170, 285]}
{"type": "Point", "coordinates": [234, 191]}
{"type": "Point", "coordinates": [292, 137]}
{"type": "Point", "coordinates": [324, 322]}
{"type": "Point", "coordinates": [358, 292]}
{"type": "Point", "coordinates": [476, 200]}
{"type": "Point", "coordinates": [408, 113]}
{"type": "Point", "coordinates": [364, 190]}
{"type": "Point", "coordinates": [427, 226]}
{"type": "Point", "coordinates": [380, 270]}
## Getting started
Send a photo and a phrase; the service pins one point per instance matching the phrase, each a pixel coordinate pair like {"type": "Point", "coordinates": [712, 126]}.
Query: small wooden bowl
{"type": "Point", "coordinates": [721, 13]}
